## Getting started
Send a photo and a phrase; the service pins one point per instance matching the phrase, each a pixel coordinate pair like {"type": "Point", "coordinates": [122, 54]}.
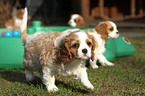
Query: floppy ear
{"type": "Point", "coordinates": [94, 44]}
{"type": "Point", "coordinates": [64, 51]}
{"type": "Point", "coordinates": [102, 29]}
{"type": "Point", "coordinates": [80, 22]}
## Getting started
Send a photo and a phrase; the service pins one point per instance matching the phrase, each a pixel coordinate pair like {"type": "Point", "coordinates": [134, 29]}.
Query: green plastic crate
{"type": "Point", "coordinates": [11, 52]}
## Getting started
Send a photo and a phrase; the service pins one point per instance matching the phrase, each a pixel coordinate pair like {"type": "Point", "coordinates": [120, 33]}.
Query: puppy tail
{"type": "Point", "coordinates": [23, 26]}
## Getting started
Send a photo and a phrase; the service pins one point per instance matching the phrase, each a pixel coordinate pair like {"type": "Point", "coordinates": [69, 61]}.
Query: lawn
{"type": "Point", "coordinates": [127, 77]}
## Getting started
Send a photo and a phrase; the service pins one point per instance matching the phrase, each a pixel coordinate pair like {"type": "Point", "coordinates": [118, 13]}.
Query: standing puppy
{"type": "Point", "coordinates": [16, 20]}
{"type": "Point", "coordinates": [56, 53]}
{"type": "Point", "coordinates": [76, 21]}
{"type": "Point", "coordinates": [105, 30]}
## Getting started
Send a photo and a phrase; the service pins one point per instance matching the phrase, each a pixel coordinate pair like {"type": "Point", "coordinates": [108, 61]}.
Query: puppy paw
{"type": "Point", "coordinates": [75, 77]}
{"type": "Point", "coordinates": [94, 66]}
{"type": "Point", "coordinates": [29, 76]}
{"type": "Point", "coordinates": [110, 64]}
{"type": "Point", "coordinates": [52, 89]}
{"type": "Point", "coordinates": [90, 87]}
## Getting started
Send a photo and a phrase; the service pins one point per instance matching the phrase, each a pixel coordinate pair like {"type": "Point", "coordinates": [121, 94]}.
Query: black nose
{"type": "Point", "coordinates": [84, 51]}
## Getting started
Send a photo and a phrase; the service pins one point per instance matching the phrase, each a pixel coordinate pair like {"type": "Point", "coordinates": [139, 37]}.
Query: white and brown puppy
{"type": "Point", "coordinates": [56, 53]}
{"type": "Point", "coordinates": [77, 21]}
{"type": "Point", "coordinates": [16, 19]}
{"type": "Point", "coordinates": [105, 30]}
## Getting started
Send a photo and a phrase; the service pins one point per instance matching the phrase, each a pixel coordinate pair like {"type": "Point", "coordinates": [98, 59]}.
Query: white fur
{"type": "Point", "coordinates": [76, 67]}
{"type": "Point", "coordinates": [17, 21]}
{"type": "Point", "coordinates": [30, 37]}
{"type": "Point", "coordinates": [23, 24]}
{"type": "Point", "coordinates": [101, 47]}
{"type": "Point", "coordinates": [113, 34]}
{"type": "Point", "coordinates": [83, 36]}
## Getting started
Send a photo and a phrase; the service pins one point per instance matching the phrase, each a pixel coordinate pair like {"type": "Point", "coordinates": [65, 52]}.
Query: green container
{"type": "Point", "coordinates": [36, 23]}
{"type": "Point", "coordinates": [109, 55]}
{"type": "Point", "coordinates": [31, 30]}
{"type": "Point", "coordinates": [11, 52]}
{"type": "Point", "coordinates": [124, 47]}
{"type": "Point", "coordinates": [120, 46]}
{"type": "Point", "coordinates": [111, 46]}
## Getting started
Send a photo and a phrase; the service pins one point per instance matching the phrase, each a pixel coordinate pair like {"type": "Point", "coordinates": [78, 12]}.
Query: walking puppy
{"type": "Point", "coordinates": [104, 31]}
{"type": "Point", "coordinates": [57, 53]}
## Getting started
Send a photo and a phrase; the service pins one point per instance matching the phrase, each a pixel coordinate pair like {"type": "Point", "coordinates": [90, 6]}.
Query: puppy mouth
{"type": "Point", "coordinates": [85, 56]}
{"type": "Point", "coordinates": [117, 35]}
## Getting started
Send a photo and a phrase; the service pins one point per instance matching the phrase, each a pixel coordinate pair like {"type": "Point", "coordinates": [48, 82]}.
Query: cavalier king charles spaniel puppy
{"type": "Point", "coordinates": [76, 21]}
{"type": "Point", "coordinates": [57, 53]}
{"type": "Point", "coordinates": [16, 20]}
{"type": "Point", "coordinates": [105, 30]}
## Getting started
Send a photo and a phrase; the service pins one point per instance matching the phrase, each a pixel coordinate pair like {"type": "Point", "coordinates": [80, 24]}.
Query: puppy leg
{"type": "Point", "coordinates": [29, 75]}
{"type": "Point", "coordinates": [93, 64]}
{"type": "Point", "coordinates": [48, 79]}
{"type": "Point", "coordinates": [83, 76]}
{"type": "Point", "coordinates": [104, 61]}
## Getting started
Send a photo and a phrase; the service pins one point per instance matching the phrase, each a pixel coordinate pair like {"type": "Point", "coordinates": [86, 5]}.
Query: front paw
{"type": "Point", "coordinates": [110, 64]}
{"type": "Point", "coordinates": [52, 89]}
{"type": "Point", "coordinates": [90, 86]}
{"type": "Point", "coordinates": [94, 66]}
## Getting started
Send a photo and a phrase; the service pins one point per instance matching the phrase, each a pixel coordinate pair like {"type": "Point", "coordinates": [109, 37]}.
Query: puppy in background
{"type": "Point", "coordinates": [77, 21]}
{"type": "Point", "coordinates": [16, 20]}
{"type": "Point", "coordinates": [56, 53]}
{"type": "Point", "coordinates": [104, 31]}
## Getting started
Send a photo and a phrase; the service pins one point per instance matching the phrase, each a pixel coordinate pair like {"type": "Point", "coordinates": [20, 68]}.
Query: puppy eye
{"type": "Point", "coordinates": [89, 43]}
{"type": "Point", "coordinates": [75, 20]}
{"type": "Point", "coordinates": [76, 45]}
{"type": "Point", "coordinates": [111, 29]}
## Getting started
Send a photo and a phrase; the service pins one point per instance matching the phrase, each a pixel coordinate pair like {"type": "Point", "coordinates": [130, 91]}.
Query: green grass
{"type": "Point", "coordinates": [127, 77]}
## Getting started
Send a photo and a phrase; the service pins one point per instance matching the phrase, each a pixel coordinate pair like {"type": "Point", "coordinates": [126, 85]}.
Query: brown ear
{"type": "Point", "coordinates": [64, 51]}
{"type": "Point", "coordinates": [20, 13]}
{"type": "Point", "coordinates": [94, 44]}
{"type": "Point", "coordinates": [80, 22]}
{"type": "Point", "coordinates": [102, 30]}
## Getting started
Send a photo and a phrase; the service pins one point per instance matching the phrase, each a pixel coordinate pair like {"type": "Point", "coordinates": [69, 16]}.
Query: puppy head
{"type": "Point", "coordinates": [107, 29]}
{"type": "Point", "coordinates": [20, 13]}
{"type": "Point", "coordinates": [76, 21]}
{"type": "Point", "coordinates": [77, 45]}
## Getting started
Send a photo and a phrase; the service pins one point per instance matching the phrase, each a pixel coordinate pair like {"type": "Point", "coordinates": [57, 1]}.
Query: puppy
{"type": "Point", "coordinates": [77, 21]}
{"type": "Point", "coordinates": [16, 20]}
{"type": "Point", "coordinates": [56, 53]}
{"type": "Point", "coordinates": [105, 30]}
